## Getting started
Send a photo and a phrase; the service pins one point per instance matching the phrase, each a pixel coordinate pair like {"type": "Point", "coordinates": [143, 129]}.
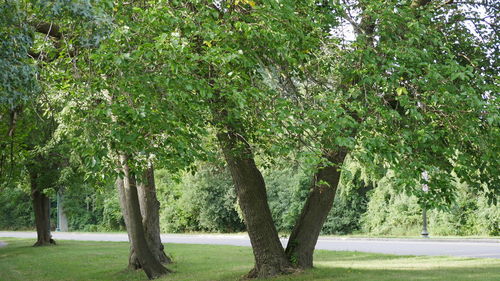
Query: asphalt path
{"type": "Point", "coordinates": [478, 248]}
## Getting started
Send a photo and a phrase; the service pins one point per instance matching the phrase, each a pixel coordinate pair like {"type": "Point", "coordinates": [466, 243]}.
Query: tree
{"type": "Point", "coordinates": [230, 48]}
{"type": "Point", "coordinates": [351, 107]}
{"type": "Point", "coordinates": [147, 257]}
{"type": "Point", "coordinates": [41, 42]}
{"type": "Point", "coordinates": [126, 116]}
{"type": "Point", "coordinates": [150, 208]}
{"type": "Point", "coordinates": [411, 93]}
{"type": "Point", "coordinates": [398, 97]}
{"type": "Point", "coordinates": [29, 131]}
{"type": "Point", "coordinates": [150, 211]}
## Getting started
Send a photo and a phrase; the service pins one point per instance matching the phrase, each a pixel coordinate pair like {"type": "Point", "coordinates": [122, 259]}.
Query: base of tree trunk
{"type": "Point", "coordinates": [133, 260]}
{"type": "Point", "coordinates": [39, 243]}
{"type": "Point", "coordinates": [270, 258]}
{"type": "Point", "coordinates": [164, 258]}
{"type": "Point", "coordinates": [149, 263]}
{"type": "Point", "coordinates": [270, 271]}
{"type": "Point", "coordinates": [301, 258]}
{"type": "Point", "coordinates": [134, 264]}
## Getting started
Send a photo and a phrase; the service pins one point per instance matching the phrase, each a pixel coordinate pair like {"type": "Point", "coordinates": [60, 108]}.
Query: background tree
{"type": "Point", "coordinates": [37, 60]}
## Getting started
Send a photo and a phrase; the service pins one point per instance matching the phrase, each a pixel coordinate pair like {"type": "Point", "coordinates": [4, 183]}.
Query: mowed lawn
{"type": "Point", "coordinates": [79, 260]}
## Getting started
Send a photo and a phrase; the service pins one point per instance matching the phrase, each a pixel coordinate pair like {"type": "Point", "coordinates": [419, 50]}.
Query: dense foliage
{"type": "Point", "coordinates": [206, 202]}
{"type": "Point", "coordinates": [382, 107]}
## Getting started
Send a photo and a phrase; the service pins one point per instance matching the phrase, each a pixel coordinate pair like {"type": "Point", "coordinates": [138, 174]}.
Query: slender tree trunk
{"type": "Point", "coordinates": [270, 259]}
{"type": "Point", "coordinates": [41, 207]}
{"type": "Point", "coordinates": [133, 260]}
{"type": "Point", "coordinates": [305, 234]}
{"type": "Point", "coordinates": [122, 200]}
{"type": "Point", "coordinates": [150, 211]}
{"type": "Point", "coordinates": [152, 267]}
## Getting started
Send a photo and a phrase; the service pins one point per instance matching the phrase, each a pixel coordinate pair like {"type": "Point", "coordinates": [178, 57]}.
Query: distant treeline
{"type": "Point", "coordinates": [205, 201]}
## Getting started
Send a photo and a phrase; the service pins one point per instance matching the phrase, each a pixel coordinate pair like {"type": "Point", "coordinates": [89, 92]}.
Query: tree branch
{"type": "Point", "coordinates": [419, 3]}
{"type": "Point", "coordinates": [49, 29]}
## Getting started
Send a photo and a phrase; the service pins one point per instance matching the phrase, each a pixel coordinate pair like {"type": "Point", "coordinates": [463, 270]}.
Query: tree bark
{"type": "Point", "coordinates": [122, 200]}
{"type": "Point", "coordinates": [41, 207]}
{"type": "Point", "coordinates": [270, 258]}
{"type": "Point", "coordinates": [419, 3]}
{"type": "Point", "coordinates": [148, 262]}
{"type": "Point", "coordinates": [151, 219]}
{"type": "Point", "coordinates": [133, 261]}
{"type": "Point", "coordinates": [305, 234]}
{"type": "Point", "coordinates": [150, 211]}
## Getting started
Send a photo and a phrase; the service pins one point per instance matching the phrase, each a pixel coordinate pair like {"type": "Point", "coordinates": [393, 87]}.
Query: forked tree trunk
{"type": "Point", "coordinates": [41, 207]}
{"type": "Point", "coordinates": [148, 262]}
{"type": "Point", "coordinates": [150, 211]}
{"type": "Point", "coordinates": [305, 234]}
{"type": "Point", "coordinates": [270, 258]}
{"type": "Point", "coordinates": [150, 220]}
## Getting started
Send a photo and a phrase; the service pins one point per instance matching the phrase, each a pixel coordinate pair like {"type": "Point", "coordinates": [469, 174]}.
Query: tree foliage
{"type": "Point", "coordinates": [410, 93]}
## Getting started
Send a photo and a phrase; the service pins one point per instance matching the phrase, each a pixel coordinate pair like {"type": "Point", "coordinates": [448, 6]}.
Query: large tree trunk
{"type": "Point", "coordinates": [305, 234]}
{"type": "Point", "coordinates": [150, 211]}
{"type": "Point", "coordinates": [270, 259]}
{"type": "Point", "coordinates": [41, 207]}
{"type": "Point", "coordinates": [152, 267]}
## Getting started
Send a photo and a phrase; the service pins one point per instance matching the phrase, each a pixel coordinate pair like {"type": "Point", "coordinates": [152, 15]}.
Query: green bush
{"type": "Point", "coordinates": [16, 211]}
{"type": "Point", "coordinates": [91, 209]}
{"type": "Point", "coordinates": [393, 213]}
{"type": "Point", "coordinates": [470, 215]}
{"type": "Point", "coordinates": [112, 218]}
{"type": "Point", "coordinates": [351, 202]}
{"type": "Point", "coordinates": [287, 189]}
{"type": "Point", "coordinates": [205, 201]}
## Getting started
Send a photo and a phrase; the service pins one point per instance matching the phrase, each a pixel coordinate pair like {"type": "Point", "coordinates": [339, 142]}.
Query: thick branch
{"type": "Point", "coordinates": [419, 3]}
{"type": "Point", "coordinates": [49, 29]}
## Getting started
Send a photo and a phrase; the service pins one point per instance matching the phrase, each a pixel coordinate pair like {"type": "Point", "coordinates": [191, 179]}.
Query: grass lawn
{"type": "Point", "coordinates": [78, 260]}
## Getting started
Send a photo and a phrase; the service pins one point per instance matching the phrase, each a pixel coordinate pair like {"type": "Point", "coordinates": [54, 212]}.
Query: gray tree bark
{"type": "Point", "coordinates": [270, 258]}
{"type": "Point", "coordinates": [148, 262]}
{"type": "Point", "coordinates": [150, 211]}
{"type": "Point", "coordinates": [303, 239]}
{"type": "Point", "coordinates": [133, 261]}
{"type": "Point", "coordinates": [62, 219]}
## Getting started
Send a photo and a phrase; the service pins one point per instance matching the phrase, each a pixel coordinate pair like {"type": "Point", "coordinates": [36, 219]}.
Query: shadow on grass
{"type": "Point", "coordinates": [76, 260]}
{"type": "Point", "coordinates": [369, 266]}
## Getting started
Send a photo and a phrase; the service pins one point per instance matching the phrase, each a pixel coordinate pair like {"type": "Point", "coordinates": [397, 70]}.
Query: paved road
{"type": "Point", "coordinates": [480, 248]}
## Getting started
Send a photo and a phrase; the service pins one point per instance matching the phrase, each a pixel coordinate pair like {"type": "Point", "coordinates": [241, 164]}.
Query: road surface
{"type": "Point", "coordinates": [478, 248]}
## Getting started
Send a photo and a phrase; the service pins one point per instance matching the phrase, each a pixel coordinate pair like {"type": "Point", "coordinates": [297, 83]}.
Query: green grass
{"type": "Point", "coordinates": [78, 260]}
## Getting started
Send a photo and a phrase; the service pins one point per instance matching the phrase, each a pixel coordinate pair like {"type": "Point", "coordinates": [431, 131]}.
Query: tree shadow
{"type": "Point", "coordinates": [369, 266]}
